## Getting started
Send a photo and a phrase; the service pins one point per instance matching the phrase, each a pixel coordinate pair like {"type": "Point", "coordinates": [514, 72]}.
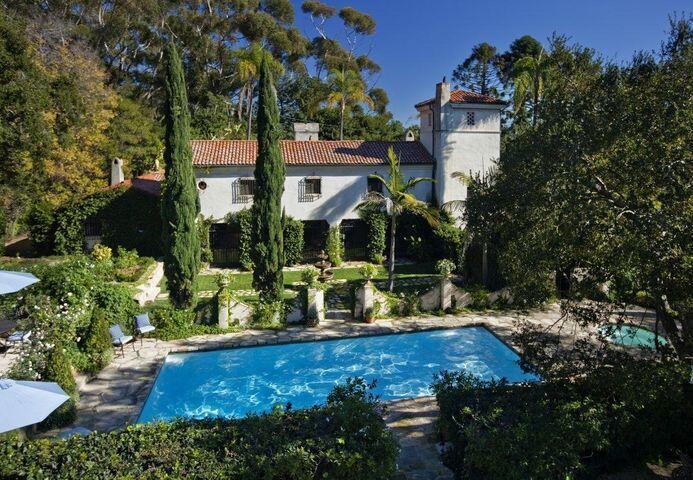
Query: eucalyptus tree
{"type": "Point", "coordinates": [397, 197]}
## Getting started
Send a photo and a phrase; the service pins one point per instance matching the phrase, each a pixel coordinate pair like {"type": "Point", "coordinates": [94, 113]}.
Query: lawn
{"type": "Point", "coordinates": [244, 281]}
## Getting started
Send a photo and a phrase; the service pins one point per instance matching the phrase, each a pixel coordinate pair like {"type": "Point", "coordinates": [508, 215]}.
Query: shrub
{"type": "Point", "coordinates": [368, 271]}
{"type": "Point", "coordinates": [343, 440]}
{"type": "Point", "coordinates": [445, 267]}
{"type": "Point", "coordinates": [376, 223]}
{"type": "Point", "coordinates": [101, 253]}
{"type": "Point", "coordinates": [58, 370]}
{"type": "Point", "coordinates": [293, 241]}
{"type": "Point", "coordinates": [409, 304]}
{"type": "Point", "coordinates": [309, 276]}
{"type": "Point", "coordinates": [97, 343]}
{"type": "Point", "coordinates": [450, 243]}
{"type": "Point", "coordinates": [204, 226]}
{"type": "Point", "coordinates": [243, 222]}
{"type": "Point", "coordinates": [117, 304]}
{"type": "Point", "coordinates": [126, 258]}
{"type": "Point", "coordinates": [268, 313]}
{"type": "Point", "coordinates": [578, 427]}
{"type": "Point", "coordinates": [334, 246]}
{"type": "Point", "coordinates": [41, 222]}
{"type": "Point", "coordinates": [173, 324]}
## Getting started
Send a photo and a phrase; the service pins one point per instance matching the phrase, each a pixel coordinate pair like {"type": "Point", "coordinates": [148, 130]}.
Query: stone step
{"type": "Point", "coordinates": [338, 314]}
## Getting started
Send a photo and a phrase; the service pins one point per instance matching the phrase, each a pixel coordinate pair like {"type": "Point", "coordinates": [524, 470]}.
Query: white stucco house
{"type": "Point", "coordinates": [325, 180]}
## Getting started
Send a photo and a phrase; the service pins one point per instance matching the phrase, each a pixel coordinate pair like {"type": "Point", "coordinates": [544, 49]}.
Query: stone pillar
{"type": "Point", "coordinates": [117, 175]}
{"type": "Point", "coordinates": [223, 311]}
{"type": "Point", "coordinates": [365, 299]}
{"type": "Point", "coordinates": [315, 312]}
{"type": "Point", "coordinates": [446, 292]}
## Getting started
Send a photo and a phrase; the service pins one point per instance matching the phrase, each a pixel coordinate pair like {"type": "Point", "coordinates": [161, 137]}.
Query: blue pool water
{"type": "Point", "coordinates": [632, 336]}
{"type": "Point", "coordinates": [234, 382]}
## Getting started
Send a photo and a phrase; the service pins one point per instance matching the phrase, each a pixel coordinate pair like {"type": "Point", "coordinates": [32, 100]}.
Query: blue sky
{"type": "Point", "coordinates": [418, 41]}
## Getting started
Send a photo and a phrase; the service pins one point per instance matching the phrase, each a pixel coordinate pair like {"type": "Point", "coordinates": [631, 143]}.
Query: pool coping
{"type": "Point", "coordinates": [290, 341]}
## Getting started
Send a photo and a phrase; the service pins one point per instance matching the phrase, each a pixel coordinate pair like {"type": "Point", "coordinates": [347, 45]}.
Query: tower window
{"type": "Point", "coordinates": [470, 118]}
{"type": "Point", "coordinates": [429, 117]}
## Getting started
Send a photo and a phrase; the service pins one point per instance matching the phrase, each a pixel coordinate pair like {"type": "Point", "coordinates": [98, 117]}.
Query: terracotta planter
{"type": "Point", "coordinates": [369, 319]}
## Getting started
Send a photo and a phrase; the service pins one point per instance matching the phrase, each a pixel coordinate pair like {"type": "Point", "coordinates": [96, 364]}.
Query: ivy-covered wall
{"type": "Point", "coordinates": [128, 217]}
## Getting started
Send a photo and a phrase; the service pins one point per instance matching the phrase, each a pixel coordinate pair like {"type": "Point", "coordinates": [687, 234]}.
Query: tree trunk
{"type": "Point", "coordinates": [682, 345]}
{"type": "Point", "coordinates": [484, 264]}
{"type": "Point", "coordinates": [250, 114]}
{"type": "Point", "coordinates": [341, 122]}
{"type": "Point", "coordinates": [391, 260]}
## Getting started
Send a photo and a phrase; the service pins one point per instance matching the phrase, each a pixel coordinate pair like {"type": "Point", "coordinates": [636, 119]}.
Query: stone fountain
{"type": "Point", "coordinates": [323, 265]}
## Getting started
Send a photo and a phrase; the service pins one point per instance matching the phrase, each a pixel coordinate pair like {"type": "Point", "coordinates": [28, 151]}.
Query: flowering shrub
{"type": "Point", "coordinates": [101, 253]}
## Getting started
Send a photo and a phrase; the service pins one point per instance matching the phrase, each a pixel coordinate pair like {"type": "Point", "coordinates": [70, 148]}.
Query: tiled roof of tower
{"type": "Point", "coordinates": [463, 96]}
{"type": "Point", "coordinates": [320, 152]}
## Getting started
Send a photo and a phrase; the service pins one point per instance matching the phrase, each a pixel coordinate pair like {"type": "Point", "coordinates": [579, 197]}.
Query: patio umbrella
{"type": "Point", "coordinates": [24, 403]}
{"type": "Point", "coordinates": [11, 282]}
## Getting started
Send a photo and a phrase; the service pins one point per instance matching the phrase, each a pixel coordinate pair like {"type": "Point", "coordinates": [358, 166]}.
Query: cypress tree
{"type": "Point", "coordinates": [180, 204]}
{"type": "Point", "coordinates": [268, 250]}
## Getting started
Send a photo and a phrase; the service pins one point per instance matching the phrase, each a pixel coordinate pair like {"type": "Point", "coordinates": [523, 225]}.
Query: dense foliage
{"type": "Point", "coordinates": [617, 415]}
{"type": "Point", "coordinates": [268, 236]}
{"type": "Point", "coordinates": [376, 224]}
{"type": "Point", "coordinates": [334, 246]}
{"type": "Point", "coordinates": [344, 439]}
{"type": "Point", "coordinates": [605, 197]}
{"type": "Point", "coordinates": [180, 204]}
{"type": "Point", "coordinates": [293, 241]}
{"type": "Point", "coordinates": [124, 215]}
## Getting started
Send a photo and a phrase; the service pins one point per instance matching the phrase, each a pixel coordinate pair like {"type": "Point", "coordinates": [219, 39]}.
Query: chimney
{"type": "Point", "coordinates": [117, 172]}
{"type": "Point", "coordinates": [442, 93]}
{"type": "Point", "coordinates": [409, 137]}
{"type": "Point", "coordinates": [306, 131]}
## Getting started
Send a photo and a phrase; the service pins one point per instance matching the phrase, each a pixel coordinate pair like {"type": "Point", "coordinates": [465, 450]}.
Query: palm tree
{"type": "Point", "coordinates": [529, 77]}
{"type": "Point", "coordinates": [347, 88]}
{"type": "Point", "coordinates": [397, 198]}
{"type": "Point", "coordinates": [248, 61]}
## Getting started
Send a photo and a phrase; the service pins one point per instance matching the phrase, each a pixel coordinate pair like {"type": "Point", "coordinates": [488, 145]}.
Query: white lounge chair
{"type": "Point", "coordinates": [119, 339]}
{"type": "Point", "coordinates": [143, 325]}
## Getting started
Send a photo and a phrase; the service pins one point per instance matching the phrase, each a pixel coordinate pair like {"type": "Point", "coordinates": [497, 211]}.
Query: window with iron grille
{"type": "Point", "coordinates": [375, 185]}
{"type": "Point", "coordinates": [246, 186]}
{"type": "Point", "coordinates": [470, 118]}
{"type": "Point", "coordinates": [313, 186]}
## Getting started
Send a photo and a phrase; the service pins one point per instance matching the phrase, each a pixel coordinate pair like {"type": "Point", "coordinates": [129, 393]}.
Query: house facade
{"type": "Point", "coordinates": [326, 180]}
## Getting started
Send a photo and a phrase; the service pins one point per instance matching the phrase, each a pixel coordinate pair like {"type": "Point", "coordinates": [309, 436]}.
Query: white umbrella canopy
{"type": "Point", "coordinates": [25, 403]}
{"type": "Point", "coordinates": [11, 282]}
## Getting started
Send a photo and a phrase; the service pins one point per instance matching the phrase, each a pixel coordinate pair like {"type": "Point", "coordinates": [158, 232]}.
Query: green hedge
{"type": "Point", "coordinates": [243, 222]}
{"type": "Point", "coordinates": [376, 224]}
{"type": "Point", "coordinates": [293, 241]}
{"type": "Point", "coordinates": [576, 428]}
{"type": "Point", "coordinates": [344, 440]}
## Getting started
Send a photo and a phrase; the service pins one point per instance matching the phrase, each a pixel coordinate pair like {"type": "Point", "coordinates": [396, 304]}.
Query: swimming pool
{"type": "Point", "coordinates": [631, 336]}
{"type": "Point", "coordinates": [234, 382]}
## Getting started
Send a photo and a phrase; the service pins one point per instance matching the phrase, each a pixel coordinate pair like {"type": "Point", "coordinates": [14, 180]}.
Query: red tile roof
{"type": "Point", "coordinates": [463, 96]}
{"type": "Point", "coordinates": [149, 182]}
{"type": "Point", "coordinates": [321, 152]}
